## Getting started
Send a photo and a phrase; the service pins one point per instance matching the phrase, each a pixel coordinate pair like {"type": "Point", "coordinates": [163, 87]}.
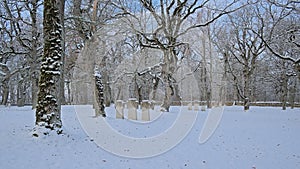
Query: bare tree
{"type": "Point", "coordinates": [284, 28]}
{"type": "Point", "coordinates": [24, 32]}
{"type": "Point", "coordinates": [170, 24]}
{"type": "Point", "coordinates": [89, 19]}
{"type": "Point", "coordinates": [33, 6]}
{"type": "Point", "coordinates": [242, 50]}
{"type": "Point", "coordinates": [283, 41]}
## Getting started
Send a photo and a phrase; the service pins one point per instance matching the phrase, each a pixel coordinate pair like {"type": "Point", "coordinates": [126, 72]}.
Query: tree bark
{"type": "Point", "coordinates": [48, 113]}
{"type": "Point", "coordinates": [5, 84]}
{"type": "Point", "coordinates": [246, 88]}
{"type": "Point", "coordinates": [155, 82]}
{"type": "Point", "coordinates": [209, 90]}
{"type": "Point", "coordinates": [105, 79]}
{"type": "Point", "coordinates": [62, 99]}
{"type": "Point", "coordinates": [5, 88]}
{"type": "Point", "coordinates": [99, 95]}
{"type": "Point", "coordinates": [21, 94]}
{"type": "Point", "coordinates": [207, 76]}
{"type": "Point", "coordinates": [168, 69]}
{"type": "Point", "coordinates": [293, 94]}
{"type": "Point", "coordinates": [33, 54]}
{"type": "Point", "coordinates": [284, 86]}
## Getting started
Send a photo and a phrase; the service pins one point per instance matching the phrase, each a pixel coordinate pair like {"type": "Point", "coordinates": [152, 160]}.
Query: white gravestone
{"type": "Point", "coordinates": [190, 106]}
{"type": "Point", "coordinates": [203, 108]}
{"type": "Point", "coordinates": [145, 110]}
{"type": "Point", "coordinates": [196, 105]}
{"type": "Point", "coordinates": [132, 109]}
{"type": "Point", "coordinates": [119, 109]}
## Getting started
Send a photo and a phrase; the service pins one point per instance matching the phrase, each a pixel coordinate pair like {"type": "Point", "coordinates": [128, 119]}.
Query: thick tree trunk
{"type": "Point", "coordinates": [152, 94]}
{"type": "Point", "coordinates": [48, 112]}
{"type": "Point", "coordinates": [21, 94]}
{"type": "Point", "coordinates": [168, 70]}
{"type": "Point", "coordinates": [78, 22]}
{"type": "Point", "coordinates": [246, 89]}
{"type": "Point", "coordinates": [176, 99]}
{"type": "Point", "coordinates": [246, 103]}
{"type": "Point", "coordinates": [5, 84]}
{"type": "Point", "coordinates": [105, 79]}
{"type": "Point", "coordinates": [99, 95]}
{"type": "Point", "coordinates": [167, 98]}
{"type": "Point", "coordinates": [5, 94]}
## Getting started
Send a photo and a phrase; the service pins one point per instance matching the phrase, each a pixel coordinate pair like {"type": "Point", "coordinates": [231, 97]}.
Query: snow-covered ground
{"type": "Point", "coordinates": [262, 138]}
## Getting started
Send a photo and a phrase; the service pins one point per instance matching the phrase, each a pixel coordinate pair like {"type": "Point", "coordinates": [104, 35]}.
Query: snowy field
{"type": "Point", "coordinates": [262, 138]}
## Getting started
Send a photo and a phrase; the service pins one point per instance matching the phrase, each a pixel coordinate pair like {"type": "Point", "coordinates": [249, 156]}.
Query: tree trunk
{"type": "Point", "coordinates": [5, 84]}
{"type": "Point", "coordinates": [246, 89]}
{"type": "Point", "coordinates": [21, 94]}
{"type": "Point", "coordinates": [48, 113]}
{"type": "Point", "coordinates": [207, 76]}
{"type": "Point", "coordinates": [12, 95]}
{"type": "Point", "coordinates": [105, 79]}
{"type": "Point", "coordinates": [33, 54]}
{"type": "Point", "coordinates": [5, 88]}
{"type": "Point", "coordinates": [34, 90]}
{"type": "Point", "coordinates": [176, 99]}
{"type": "Point", "coordinates": [198, 75]}
{"type": "Point", "coordinates": [99, 95]}
{"type": "Point", "coordinates": [294, 89]}
{"type": "Point", "coordinates": [62, 99]}
{"type": "Point", "coordinates": [297, 67]}
{"type": "Point", "coordinates": [284, 89]}
{"type": "Point", "coordinates": [209, 90]}
{"type": "Point", "coordinates": [68, 92]}
{"type": "Point", "coordinates": [293, 94]}
{"type": "Point", "coordinates": [168, 69]}
{"type": "Point", "coordinates": [155, 82]}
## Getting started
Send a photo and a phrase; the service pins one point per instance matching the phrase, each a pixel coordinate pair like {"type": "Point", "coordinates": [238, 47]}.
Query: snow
{"type": "Point", "coordinates": [2, 73]}
{"type": "Point", "coordinates": [97, 74]}
{"type": "Point", "coordinates": [53, 72]}
{"type": "Point", "coordinates": [3, 64]}
{"type": "Point", "coordinates": [259, 138]}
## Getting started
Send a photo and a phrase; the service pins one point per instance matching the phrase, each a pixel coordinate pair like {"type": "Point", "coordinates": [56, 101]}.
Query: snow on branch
{"type": "Point", "coordinates": [275, 53]}
{"type": "Point", "coordinates": [284, 57]}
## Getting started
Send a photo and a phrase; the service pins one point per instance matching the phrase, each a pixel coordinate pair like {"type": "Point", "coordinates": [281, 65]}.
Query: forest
{"type": "Point", "coordinates": [166, 52]}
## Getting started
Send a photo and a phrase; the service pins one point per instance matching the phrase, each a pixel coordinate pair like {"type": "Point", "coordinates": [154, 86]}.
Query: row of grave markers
{"type": "Point", "coordinates": [146, 105]}
{"type": "Point", "coordinates": [132, 106]}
